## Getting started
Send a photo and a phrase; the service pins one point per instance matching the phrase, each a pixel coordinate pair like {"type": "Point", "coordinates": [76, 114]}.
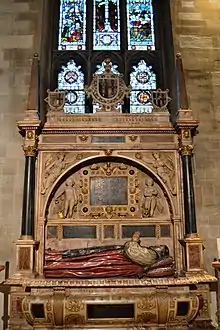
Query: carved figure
{"type": "Point", "coordinates": [127, 260]}
{"type": "Point", "coordinates": [70, 198]}
{"type": "Point", "coordinates": [52, 170]}
{"type": "Point", "coordinates": [165, 170]}
{"type": "Point", "coordinates": [151, 200]}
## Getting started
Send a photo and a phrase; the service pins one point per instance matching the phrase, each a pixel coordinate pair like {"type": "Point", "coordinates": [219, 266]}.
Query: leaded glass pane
{"type": "Point", "coordinates": [142, 81]}
{"type": "Point", "coordinates": [71, 79]}
{"type": "Point", "coordinates": [140, 25]}
{"type": "Point", "coordinates": [106, 25]}
{"type": "Point", "coordinates": [72, 25]}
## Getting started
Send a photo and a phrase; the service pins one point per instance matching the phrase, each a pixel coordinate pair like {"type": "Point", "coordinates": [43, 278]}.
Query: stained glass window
{"type": "Point", "coordinates": [106, 25]}
{"type": "Point", "coordinates": [72, 25]}
{"type": "Point", "coordinates": [71, 79]}
{"type": "Point", "coordinates": [140, 25]}
{"type": "Point", "coordinates": [88, 31]}
{"type": "Point", "coordinates": [142, 80]}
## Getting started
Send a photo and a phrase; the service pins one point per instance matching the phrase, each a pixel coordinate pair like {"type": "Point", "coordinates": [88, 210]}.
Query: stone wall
{"type": "Point", "coordinates": [19, 38]}
{"type": "Point", "coordinates": [196, 37]}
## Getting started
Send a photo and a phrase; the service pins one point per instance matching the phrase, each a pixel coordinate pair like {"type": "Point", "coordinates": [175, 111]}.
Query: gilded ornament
{"type": "Point", "coordinates": [186, 150]}
{"type": "Point", "coordinates": [108, 152]}
{"type": "Point", "coordinates": [60, 215]}
{"type": "Point", "coordinates": [79, 156]}
{"type": "Point", "coordinates": [30, 135]}
{"type": "Point", "coordinates": [138, 155]}
{"type": "Point", "coordinates": [74, 305]}
{"type": "Point", "coordinates": [147, 303]}
{"type": "Point", "coordinates": [83, 138]}
{"type": "Point", "coordinates": [186, 134]}
{"type": "Point", "coordinates": [133, 138]}
{"type": "Point", "coordinates": [30, 151]}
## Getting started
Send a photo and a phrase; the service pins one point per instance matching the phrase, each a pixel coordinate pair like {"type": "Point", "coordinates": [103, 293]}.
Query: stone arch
{"type": "Point", "coordinates": [97, 159]}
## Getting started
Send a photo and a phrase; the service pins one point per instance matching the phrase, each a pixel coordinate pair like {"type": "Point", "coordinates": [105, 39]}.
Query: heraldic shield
{"type": "Point", "coordinates": [160, 99]}
{"type": "Point", "coordinates": [108, 89]}
{"type": "Point", "coordinates": [56, 99]}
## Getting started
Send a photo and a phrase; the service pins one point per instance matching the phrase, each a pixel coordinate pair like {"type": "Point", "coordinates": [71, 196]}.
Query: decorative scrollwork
{"type": "Point", "coordinates": [74, 305]}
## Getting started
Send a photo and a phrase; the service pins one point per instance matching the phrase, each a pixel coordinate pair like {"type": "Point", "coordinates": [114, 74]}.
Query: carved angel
{"type": "Point", "coordinates": [165, 169]}
{"type": "Point", "coordinates": [151, 199]}
{"type": "Point", "coordinates": [52, 170]}
{"type": "Point", "coordinates": [70, 198]}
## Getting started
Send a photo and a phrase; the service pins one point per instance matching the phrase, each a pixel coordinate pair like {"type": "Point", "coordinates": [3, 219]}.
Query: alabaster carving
{"type": "Point", "coordinates": [151, 199]}
{"type": "Point", "coordinates": [53, 167]}
{"type": "Point", "coordinates": [108, 190]}
{"type": "Point", "coordinates": [164, 167]}
{"type": "Point", "coordinates": [70, 198]}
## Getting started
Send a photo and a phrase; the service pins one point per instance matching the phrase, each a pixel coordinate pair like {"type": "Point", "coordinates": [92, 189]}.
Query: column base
{"type": "Point", "coordinates": [26, 247]}
{"type": "Point", "coordinates": [194, 247]}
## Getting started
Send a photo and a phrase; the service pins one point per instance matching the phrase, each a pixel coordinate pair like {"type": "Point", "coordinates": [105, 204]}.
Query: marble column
{"type": "Point", "coordinates": [188, 191]}
{"type": "Point", "coordinates": [27, 225]}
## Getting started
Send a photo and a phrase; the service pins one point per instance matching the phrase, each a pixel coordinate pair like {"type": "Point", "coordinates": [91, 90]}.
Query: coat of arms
{"type": "Point", "coordinates": [107, 88]}
{"type": "Point", "coordinates": [160, 99]}
{"type": "Point", "coordinates": [56, 99]}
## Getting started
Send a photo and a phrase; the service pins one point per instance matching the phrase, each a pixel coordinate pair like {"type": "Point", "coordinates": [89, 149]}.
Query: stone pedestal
{"type": "Point", "coordinates": [26, 248]}
{"type": "Point", "coordinates": [193, 245]}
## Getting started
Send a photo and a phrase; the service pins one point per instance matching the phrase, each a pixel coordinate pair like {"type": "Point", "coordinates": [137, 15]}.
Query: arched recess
{"type": "Point", "coordinates": [119, 159]}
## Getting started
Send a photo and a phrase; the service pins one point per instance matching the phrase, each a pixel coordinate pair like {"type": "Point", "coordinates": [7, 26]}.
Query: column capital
{"type": "Point", "coordinates": [186, 133]}
{"type": "Point", "coordinates": [186, 150]}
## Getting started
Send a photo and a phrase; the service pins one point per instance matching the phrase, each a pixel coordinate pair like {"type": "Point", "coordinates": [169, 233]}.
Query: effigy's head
{"type": "Point", "coordinates": [136, 236]}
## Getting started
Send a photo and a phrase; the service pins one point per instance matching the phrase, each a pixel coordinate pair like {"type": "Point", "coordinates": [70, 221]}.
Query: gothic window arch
{"type": "Point", "coordinates": [135, 34]}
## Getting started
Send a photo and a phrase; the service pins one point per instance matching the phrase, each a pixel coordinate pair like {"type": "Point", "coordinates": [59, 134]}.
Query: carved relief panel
{"type": "Point", "coordinates": [108, 190]}
{"type": "Point", "coordinates": [107, 202]}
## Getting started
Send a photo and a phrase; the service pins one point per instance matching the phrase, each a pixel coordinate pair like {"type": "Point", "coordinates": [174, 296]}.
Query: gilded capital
{"type": "Point", "coordinates": [30, 143]}
{"type": "Point", "coordinates": [186, 150]}
{"type": "Point", "coordinates": [30, 150]}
